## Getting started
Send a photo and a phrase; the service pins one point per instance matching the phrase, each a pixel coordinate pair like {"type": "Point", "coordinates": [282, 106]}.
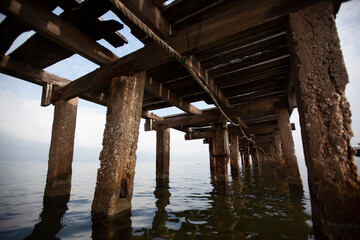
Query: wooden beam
{"type": "Point", "coordinates": [197, 135]}
{"type": "Point", "coordinates": [35, 16]}
{"type": "Point", "coordinates": [50, 26]}
{"type": "Point", "coordinates": [167, 95]}
{"type": "Point", "coordinates": [242, 16]}
{"type": "Point", "coordinates": [40, 77]}
{"type": "Point", "coordinates": [148, 14]}
{"type": "Point", "coordinates": [203, 75]}
{"type": "Point", "coordinates": [249, 110]}
{"type": "Point", "coordinates": [153, 18]}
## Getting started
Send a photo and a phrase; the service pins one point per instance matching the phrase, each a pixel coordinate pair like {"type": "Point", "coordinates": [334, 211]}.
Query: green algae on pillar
{"type": "Point", "coordinates": [114, 187]}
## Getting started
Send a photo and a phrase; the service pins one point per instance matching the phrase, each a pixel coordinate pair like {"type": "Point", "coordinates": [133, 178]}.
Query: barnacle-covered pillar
{"type": "Point", "coordinates": [288, 147]}
{"type": "Point", "coordinates": [114, 187]}
{"type": "Point", "coordinates": [325, 118]}
{"type": "Point", "coordinates": [58, 181]}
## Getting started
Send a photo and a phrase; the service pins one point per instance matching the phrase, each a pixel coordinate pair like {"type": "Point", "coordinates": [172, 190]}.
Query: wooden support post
{"type": "Point", "coordinates": [162, 154]}
{"type": "Point", "coordinates": [234, 155]}
{"type": "Point", "coordinates": [242, 159]}
{"type": "Point", "coordinates": [325, 118]}
{"type": "Point", "coordinates": [288, 147]}
{"type": "Point", "coordinates": [278, 150]}
{"type": "Point", "coordinates": [211, 156]}
{"type": "Point", "coordinates": [58, 181]}
{"type": "Point", "coordinates": [254, 156]}
{"type": "Point", "coordinates": [272, 152]}
{"type": "Point", "coordinates": [114, 187]}
{"type": "Point", "coordinates": [221, 150]}
{"type": "Point", "coordinates": [246, 153]}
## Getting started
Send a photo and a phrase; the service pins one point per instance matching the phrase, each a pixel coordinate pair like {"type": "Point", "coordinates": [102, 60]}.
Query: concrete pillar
{"type": "Point", "coordinates": [278, 150]}
{"type": "Point", "coordinates": [221, 150]}
{"type": "Point", "coordinates": [114, 187]}
{"type": "Point", "coordinates": [246, 153]}
{"type": "Point", "coordinates": [254, 155]}
{"type": "Point", "coordinates": [211, 156]}
{"type": "Point", "coordinates": [325, 118]}
{"type": "Point", "coordinates": [234, 155]}
{"type": "Point", "coordinates": [58, 181]}
{"type": "Point", "coordinates": [288, 147]}
{"type": "Point", "coordinates": [242, 159]}
{"type": "Point", "coordinates": [162, 153]}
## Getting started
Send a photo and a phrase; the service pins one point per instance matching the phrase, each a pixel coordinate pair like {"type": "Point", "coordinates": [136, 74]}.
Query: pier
{"type": "Point", "coordinates": [255, 61]}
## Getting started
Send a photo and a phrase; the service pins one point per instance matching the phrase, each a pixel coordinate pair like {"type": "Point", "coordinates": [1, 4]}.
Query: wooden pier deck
{"type": "Point", "coordinates": [256, 61]}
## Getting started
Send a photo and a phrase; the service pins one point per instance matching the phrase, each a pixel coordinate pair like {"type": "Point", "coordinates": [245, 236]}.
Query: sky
{"type": "Point", "coordinates": [25, 126]}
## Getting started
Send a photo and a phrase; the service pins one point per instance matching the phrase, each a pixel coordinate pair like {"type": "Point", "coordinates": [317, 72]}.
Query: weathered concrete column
{"type": "Point", "coordinates": [254, 155]}
{"type": "Point", "coordinates": [58, 181]}
{"type": "Point", "coordinates": [114, 187]}
{"type": "Point", "coordinates": [288, 147]}
{"type": "Point", "coordinates": [211, 156]}
{"type": "Point", "coordinates": [234, 155]}
{"type": "Point", "coordinates": [325, 118]}
{"type": "Point", "coordinates": [246, 153]}
{"type": "Point", "coordinates": [221, 149]}
{"type": "Point", "coordinates": [162, 153]}
{"type": "Point", "coordinates": [278, 150]}
{"type": "Point", "coordinates": [242, 159]}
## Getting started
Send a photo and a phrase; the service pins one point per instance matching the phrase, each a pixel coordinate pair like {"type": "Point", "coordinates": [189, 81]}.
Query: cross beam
{"type": "Point", "coordinates": [38, 76]}
{"type": "Point", "coordinates": [35, 16]}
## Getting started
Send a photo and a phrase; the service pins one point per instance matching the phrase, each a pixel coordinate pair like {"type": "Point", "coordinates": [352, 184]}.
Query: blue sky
{"type": "Point", "coordinates": [25, 127]}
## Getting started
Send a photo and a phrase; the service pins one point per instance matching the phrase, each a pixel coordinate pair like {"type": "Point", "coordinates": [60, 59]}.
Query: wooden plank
{"type": "Point", "coordinates": [148, 14]}
{"type": "Point", "coordinates": [71, 37]}
{"type": "Point", "coordinates": [42, 52]}
{"type": "Point", "coordinates": [243, 16]}
{"type": "Point", "coordinates": [169, 96]}
{"type": "Point", "coordinates": [197, 135]}
{"type": "Point", "coordinates": [33, 15]}
{"type": "Point", "coordinates": [12, 29]}
{"type": "Point", "coordinates": [252, 109]}
{"type": "Point", "coordinates": [9, 31]}
{"type": "Point", "coordinates": [209, 82]}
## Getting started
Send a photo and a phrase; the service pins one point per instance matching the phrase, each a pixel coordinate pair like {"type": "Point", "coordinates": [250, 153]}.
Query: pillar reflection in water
{"type": "Point", "coordinates": [114, 227]}
{"type": "Point", "coordinates": [51, 216]}
{"type": "Point", "coordinates": [162, 195]}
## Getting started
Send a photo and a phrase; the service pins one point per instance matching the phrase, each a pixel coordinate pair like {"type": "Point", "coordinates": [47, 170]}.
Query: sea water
{"type": "Point", "coordinates": [256, 205]}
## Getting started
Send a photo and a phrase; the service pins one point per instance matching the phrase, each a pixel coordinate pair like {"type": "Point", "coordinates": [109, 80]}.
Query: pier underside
{"type": "Point", "coordinates": [254, 61]}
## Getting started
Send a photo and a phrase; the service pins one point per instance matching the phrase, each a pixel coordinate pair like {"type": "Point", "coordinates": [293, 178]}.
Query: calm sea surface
{"type": "Point", "coordinates": [258, 205]}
